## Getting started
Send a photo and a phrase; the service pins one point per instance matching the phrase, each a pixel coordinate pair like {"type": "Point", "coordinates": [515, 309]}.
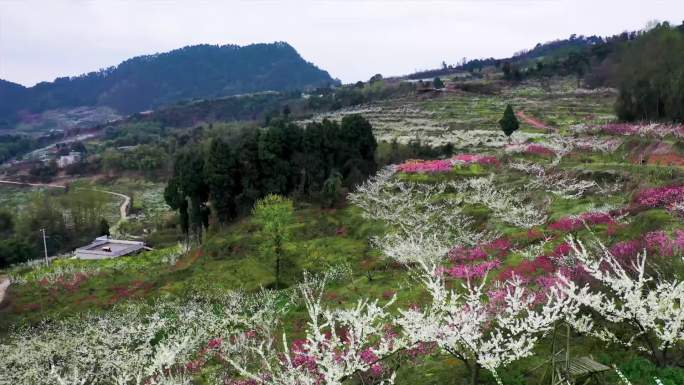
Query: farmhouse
{"type": "Point", "coordinates": [66, 160]}
{"type": "Point", "coordinates": [104, 247]}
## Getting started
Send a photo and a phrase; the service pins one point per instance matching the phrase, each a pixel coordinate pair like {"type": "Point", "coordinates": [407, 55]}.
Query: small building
{"type": "Point", "coordinates": [104, 247]}
{"type": "Point", "coordinates": [66, 160]}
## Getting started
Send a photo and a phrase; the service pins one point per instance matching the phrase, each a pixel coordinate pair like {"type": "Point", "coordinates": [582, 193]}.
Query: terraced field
{"type": "Point", "coordinates": [466, 119]}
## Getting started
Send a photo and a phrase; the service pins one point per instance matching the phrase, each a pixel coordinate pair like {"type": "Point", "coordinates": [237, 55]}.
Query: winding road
{"type": "Point", "coordinates": [123, 208]}
{"type": "Point", "coordinates": [123, 215]}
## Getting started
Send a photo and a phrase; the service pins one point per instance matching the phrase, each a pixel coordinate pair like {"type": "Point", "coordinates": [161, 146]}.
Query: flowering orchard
{"type": "Point", "coordinates": [444, 165]}
{"type": "Point", "coordinates": [496, 295]}
{"type": "Point", "coordinates": [454, 270]}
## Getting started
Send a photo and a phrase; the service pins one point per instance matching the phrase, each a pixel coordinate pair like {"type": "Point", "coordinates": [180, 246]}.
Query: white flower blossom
{"type": "Point", "coordinates": [649, 307]}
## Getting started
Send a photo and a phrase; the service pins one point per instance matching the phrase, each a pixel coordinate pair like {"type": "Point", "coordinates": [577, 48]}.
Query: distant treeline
{"type": "Point", "coordinates": [13, 145]}
{"type": "Point", "coordinates": [647, 67]}
{"type": "Point", "coordinates": [71, 218]}
{"type": "Point", "coordinates": [266, 106]}
{"type": "Point", "coordinates": [227, 176]}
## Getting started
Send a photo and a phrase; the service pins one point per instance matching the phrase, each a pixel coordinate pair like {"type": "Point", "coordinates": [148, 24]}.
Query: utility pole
{"type": "Point", "coordinates": [45, 246]}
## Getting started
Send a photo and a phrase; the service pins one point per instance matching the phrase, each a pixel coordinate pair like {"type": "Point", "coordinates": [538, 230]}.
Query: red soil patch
{"type": "Point", "coordinates": [133, 289]}
{"type": "Point", "coordinates": [666, 159]}
{"type": "Point", "coordinates": [184, 263]}
{"type": "Point", "coordinates": [27, 307]}
{"type": "Point", "coordinates": [659, 153]}
{"type": "Point", "coordinates": [532, 121]}
{"type": "Point", "coordinates": [91, 298]}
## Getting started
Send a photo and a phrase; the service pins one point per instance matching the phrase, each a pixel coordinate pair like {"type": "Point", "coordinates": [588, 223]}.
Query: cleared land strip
{"type": "Point", "coordinates": [4, 284]}
{"type": "Point", "coordinates": [123, 208]}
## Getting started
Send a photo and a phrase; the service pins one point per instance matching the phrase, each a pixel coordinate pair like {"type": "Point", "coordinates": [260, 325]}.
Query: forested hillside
{"type": "Point", "coordinates": [146, 82]}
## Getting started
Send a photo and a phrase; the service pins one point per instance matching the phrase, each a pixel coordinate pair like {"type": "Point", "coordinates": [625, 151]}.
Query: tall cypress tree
{"type": "Point", "coordinates": [247, 152]}
{"type": "Point", "coordinates": [273, 160]}
{"type": "Point", "coordinates": [314, 155]}
{"type": "Point", "coordinates": [188, 192]}
{"type": "Point", "coordinates": [222, 175]}
{"type": "Point", "coordinates": [358, 148]}
{"type": "Point", "coordinates": [509, 123]}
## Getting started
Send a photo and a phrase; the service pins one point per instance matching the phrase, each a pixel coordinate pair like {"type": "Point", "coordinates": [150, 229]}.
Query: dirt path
{"type": "Point", "coordinates": [31, 184]}
{"type": "Point", "coordinates": [4, 284]}
{"type": "Point", "coordinates": [123, 208]}
{"type": "Point", "coordinates": [533, 122]}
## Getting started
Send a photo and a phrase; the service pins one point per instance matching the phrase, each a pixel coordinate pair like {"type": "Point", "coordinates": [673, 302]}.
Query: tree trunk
{"type": "Point", "coordinates": [278, 252]}
{"type": "Point", "coordinates": [475, 374]}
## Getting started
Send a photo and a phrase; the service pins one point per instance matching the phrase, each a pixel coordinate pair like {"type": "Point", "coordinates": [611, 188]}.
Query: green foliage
{"type": "Point", "coordinates": [332, 189]}
{"type": "Point", "coordinates": [6, 224]}
{"type": "Point", "coordinates": [222, 175]}
{"type": "Point", "coordinates": [438, 83]}
{"type": "Point", "coordinates": [188, 192]}
{"type": "Point", "coordinates": [146, 159]}
{"type": "Point", "coordinates": [104, 227]}
{"type": "Point", "coordinates": [279, 159]}
{"type": "Point", "coordinates": [509, 123]}
{"type": "Point", "coordinates": [14, 250]}
{"type": "Point", "coordinates": [70, 218]}
{"type": "Point", "coordinates": [642, 371]}
{"type": "Point", "coordinates": [44, 172]}
{"type": "Point", "coordinates": [650, 75]}
{"type": "Point", "coordinates": [13, 145]}
{"type": "Point", "coordinates": [275, 215]}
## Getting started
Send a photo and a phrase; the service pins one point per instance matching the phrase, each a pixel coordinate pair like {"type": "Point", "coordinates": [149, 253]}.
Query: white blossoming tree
{"type": "Point", "coordinates": [506, 205]}
{"type": "Point", "coordinates": [339, 344]}
{"type": "Point", "coordinates": [413, 207]}
{"type": "Point", "coordinates": [130, 345]}
{"type": "Point", "coordinates": [649, 309]}
{"type": "Point", "coordinates": [473, 325]}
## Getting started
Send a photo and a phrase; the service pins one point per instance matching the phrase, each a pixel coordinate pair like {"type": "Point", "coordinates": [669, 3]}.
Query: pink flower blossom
{"type": "Point", "coordinates": [194, 366]}
{"type": "Point", "coordinates": [566, 224]}
{"type": "Point", "coordinates": [368, 357]}
{"type": "Point", "coordinates": [659, 242]}
{"type": "Point", "coordinates": [427, 166]}
{"type": "Point", "coordinates": [573, 223]}
{"type": "Point", "coordinates": [474, 158]}
{"type": "Point", "coordinates": [660, 196]}
{"type": "Point", "coordinates": [528, 268]}
{"type": "Point", "coordinates": [301, 357]}
{"type": "Point", "coordinates": [472, 271]}
{"type": "Point", "coordinates": [538, 149]}
{"type": "Point", "coordinates": [562, 250]}
{"type": "Point", "coordinates": [443, 165]}
{"type": "Point", "coordinates": [626, 250]}
{"type": "Point", "coordinates": [421, 349]}
{"type": "Point", "coordinates": [498, 247]}
{"type": "Point", "coordinates": [466, 254]}
{"type": "Point", "coordinates": [547, 281]}
{"type": "Point", "coordinates": [644, 129]}
{"type": "Point", "coordinates": [214, 343]}
{"type": "Point", "coordinates": [679, 240]}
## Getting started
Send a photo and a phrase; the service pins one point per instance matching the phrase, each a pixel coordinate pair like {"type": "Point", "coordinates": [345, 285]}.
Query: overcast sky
{"type": "Point", "coordinates": [351, 39]}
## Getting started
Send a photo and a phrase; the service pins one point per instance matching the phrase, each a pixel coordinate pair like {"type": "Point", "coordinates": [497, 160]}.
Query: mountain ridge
{"type": "Point", "coordinates": [151, 81]}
